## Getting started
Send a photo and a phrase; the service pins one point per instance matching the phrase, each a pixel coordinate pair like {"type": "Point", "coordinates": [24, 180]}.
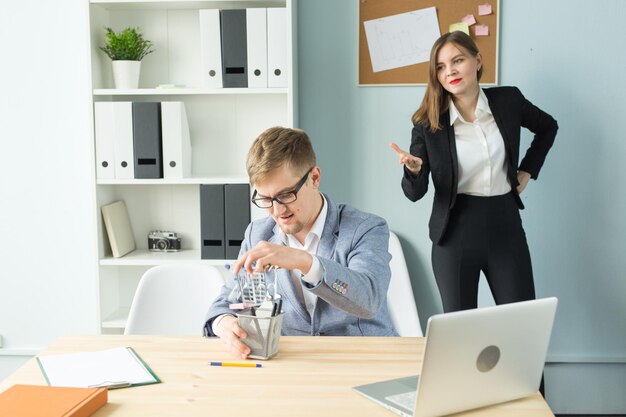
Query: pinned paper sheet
{"type": "Point", "coordinates": [469, 19]}
{"type": "Point", "coordinates": [481, 30]}
{"type": "Point", "coordinates": [460, 26]}
{"type": "Point", "coordinates": [484, 9]}
{"type": "Point", "coordinates": [402, 39]}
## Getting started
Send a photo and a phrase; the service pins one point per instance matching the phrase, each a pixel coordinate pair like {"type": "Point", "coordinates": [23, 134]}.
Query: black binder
{"type": "Point", "coordinates": [234, 48]}
{"type": "Point", "coordinates": [147, 140]}
{"type": "Point", "coordinates": [237, 216]}
{"type": "Point", "coordinates": [212, 221]}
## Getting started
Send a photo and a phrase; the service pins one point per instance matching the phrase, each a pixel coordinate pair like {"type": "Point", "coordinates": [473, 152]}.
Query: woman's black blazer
{"type": "Point", "coordinates": [437, 150]}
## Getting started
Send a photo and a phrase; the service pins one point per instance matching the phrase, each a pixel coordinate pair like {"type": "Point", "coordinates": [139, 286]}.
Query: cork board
{"type": "Point", "coordinates": [448, 12]}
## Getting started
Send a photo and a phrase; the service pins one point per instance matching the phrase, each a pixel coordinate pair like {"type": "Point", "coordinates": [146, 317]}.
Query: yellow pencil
{"type": "Point", "coordinates": [240, 364]}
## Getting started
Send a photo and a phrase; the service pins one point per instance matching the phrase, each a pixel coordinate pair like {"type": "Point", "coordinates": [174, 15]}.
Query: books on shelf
{"type": "Point", "coordinates": [243, 48]}
{"type": "Point", "coordinates": [45, 401]}
{"type": "Point", "coordinates": [142, 140]}
{"type": "Point", "coordinates": [117, 224]}
{"type": "Point", "coordinates": [224, 216]}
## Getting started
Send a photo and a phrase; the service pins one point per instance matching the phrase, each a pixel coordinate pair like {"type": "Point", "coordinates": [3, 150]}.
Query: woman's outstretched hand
{"type": "Point", "coordinates": [412, 163]}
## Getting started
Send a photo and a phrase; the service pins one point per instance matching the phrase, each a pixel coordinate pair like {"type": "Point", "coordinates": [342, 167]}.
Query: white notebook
{"type": "Point", "coordinates": [113, 368]}
{"type": "Point", "coordinates": [118, 228]}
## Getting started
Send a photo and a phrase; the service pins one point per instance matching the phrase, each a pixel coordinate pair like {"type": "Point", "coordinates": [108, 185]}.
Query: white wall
{"type": "Point", "coordinates": [48, 257]}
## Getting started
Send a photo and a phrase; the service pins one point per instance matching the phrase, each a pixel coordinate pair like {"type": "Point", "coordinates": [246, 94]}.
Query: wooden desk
{"type": "Point", "coordinates": [310, 376]}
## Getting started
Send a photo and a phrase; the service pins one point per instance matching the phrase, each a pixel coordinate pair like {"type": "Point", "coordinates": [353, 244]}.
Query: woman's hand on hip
{"type": "Point", "coordinates": [412, 163]}
{"type": "Point", "coordinates": [522, 177]}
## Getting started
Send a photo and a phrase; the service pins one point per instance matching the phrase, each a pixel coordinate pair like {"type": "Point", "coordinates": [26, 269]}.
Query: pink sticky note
{"type": "Point", "coordinates": [484, 9]}
{"type": "Point", "coordinates": [469, 19]}
{"type": "Point", "coordinates": [481, 30]}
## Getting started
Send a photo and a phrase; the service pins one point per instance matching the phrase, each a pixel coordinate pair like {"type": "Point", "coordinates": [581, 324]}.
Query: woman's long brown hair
{"type": "Point", "coordinates": [437, 99]}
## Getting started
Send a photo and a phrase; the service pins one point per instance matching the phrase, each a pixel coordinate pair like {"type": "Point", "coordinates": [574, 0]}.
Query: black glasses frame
{"type": "Point", "coordinates": [282, 196]}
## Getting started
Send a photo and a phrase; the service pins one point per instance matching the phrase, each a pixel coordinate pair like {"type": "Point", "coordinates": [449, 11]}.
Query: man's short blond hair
{"type": "Point", "coordinates": [278, 146]}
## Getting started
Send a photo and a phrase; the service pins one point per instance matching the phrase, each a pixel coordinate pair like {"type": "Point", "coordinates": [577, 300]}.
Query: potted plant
{"type": "Point", "coordinates": [126, 50]}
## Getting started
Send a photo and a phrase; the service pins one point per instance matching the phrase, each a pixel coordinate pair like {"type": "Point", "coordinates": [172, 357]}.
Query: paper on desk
{"type": "Point", "coordinates": [96, 369]}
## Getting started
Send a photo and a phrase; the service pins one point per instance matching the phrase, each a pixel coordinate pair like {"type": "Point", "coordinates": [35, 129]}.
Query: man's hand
{"type": "Point", "coordinates": [269, 255]}
{"type": "Point", "coordinates": [230, 333]}
{"type": "Point", "coordinates": [412, 163]}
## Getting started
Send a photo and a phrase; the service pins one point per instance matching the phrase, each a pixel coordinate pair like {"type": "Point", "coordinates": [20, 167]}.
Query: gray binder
{"type": "Point", "coordinates": [147, 140]}
{"type": "Point", "coordinates": [234, 48]}
{"type": "Point", "coordinates": [237, 216]}
{"type": "Point", "coordinates": [212, 221]}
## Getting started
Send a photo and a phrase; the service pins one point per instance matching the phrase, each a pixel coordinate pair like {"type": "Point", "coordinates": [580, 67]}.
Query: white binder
{"type": "Point", "coordinates": [256, 34]}
{"type": "Point", "coordinates": [105, 140]}
{"type": "Point", "coordinates": [176, 140]}
{"type": "Point", "coordinates": [211, 48]}
{"type": "Point", "coordinates": [123, 141]}
{"type": "Point", "coordinates": [277, 47]}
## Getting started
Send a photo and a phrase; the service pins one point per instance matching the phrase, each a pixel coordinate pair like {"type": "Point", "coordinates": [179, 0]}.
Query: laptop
{"type": "Point", "coordinates": [473, 358]}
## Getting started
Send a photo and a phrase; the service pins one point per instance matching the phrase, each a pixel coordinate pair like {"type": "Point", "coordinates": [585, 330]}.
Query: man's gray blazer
{"type": "Point", "coordinates": [352, 294]}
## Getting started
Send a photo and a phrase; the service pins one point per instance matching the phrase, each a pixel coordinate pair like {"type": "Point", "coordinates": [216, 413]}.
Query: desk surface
{"type": "Point", "coordinates": [310, 376]}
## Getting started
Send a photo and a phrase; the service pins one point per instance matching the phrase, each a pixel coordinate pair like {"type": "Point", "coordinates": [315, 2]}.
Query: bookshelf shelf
{"type": "Point", "coordinates": [107, 92]}
{"type": "Point", "coordinates": [176, 181]}
{"type": "Point", "coordinates": [143, 257]}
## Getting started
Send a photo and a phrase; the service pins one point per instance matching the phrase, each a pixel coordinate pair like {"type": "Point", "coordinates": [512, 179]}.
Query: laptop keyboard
{"type": "Point", "coordinates": [405, 400]}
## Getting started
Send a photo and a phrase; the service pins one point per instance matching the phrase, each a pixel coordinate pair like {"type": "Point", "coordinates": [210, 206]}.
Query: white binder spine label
{"type": "Point", "coordinates": [105, 135]}
{"type": "Point", "coordinates": [123, 129]}
{"type": "Point", "coordinates": [277, 47]}
{"type": "Point", "coordinates": [256, 33]}
{"type": "Point", "coordinates": [176, 140]}
{"type": "Point", "coordinates": [211, 48]}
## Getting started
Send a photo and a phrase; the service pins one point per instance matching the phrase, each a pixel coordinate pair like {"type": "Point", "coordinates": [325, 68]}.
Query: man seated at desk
{"type": "Point", "coordinates": [332, 259]}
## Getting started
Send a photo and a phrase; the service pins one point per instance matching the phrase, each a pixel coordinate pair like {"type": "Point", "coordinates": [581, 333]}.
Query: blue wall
{"type": "Point", "coordinates": [566, 57]}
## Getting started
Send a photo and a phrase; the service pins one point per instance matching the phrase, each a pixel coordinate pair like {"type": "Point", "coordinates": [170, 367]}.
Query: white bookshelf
{"type": "Point", "coordinates": [222, 122]}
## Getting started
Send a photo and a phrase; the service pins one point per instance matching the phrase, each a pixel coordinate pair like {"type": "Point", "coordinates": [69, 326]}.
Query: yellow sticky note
{"type": "Point", "coordinates": [462, 26]}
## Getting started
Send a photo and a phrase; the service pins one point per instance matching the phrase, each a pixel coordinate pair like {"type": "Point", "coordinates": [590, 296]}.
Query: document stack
{"type": "Point", "coordinates": [142, 140]}
{"type": "Point", "coordinates": [244, 48]}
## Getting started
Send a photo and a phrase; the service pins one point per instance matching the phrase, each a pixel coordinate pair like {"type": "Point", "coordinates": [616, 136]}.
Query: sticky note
{"type": "Point", "coordinates": [462, 26]}
{"type": "Point", "coordinates": [481, 30]}
{"type": "Point", "coordinates": [484, 9]}
{"type": "Point", "coordinates": [469, 19]}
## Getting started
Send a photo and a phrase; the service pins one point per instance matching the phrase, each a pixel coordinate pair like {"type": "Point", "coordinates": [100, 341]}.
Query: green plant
{"type": "Point", "coordinates": [128, 45]}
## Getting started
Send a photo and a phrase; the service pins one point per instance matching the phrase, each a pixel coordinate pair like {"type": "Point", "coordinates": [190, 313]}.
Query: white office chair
{"type": "Point", "coordinates": [400, 299]}
{"type": "Point", "coordinates": [173, 300]}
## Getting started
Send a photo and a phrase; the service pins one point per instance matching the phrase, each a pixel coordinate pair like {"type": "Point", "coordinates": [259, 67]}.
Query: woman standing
{"type": "Point", "coordinates": [468, 140]}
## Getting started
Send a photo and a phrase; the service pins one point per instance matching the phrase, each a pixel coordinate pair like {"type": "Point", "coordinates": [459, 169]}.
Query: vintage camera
{"type": "Point", "coordinates": [162, 241]}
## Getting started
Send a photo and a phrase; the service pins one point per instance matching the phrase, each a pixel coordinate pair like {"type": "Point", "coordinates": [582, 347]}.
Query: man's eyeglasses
{"type": "Point", "coordinates": [287, 197]}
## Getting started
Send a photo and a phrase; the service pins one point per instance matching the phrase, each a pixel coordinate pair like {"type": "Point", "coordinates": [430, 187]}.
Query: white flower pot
{"type": "Point", "coordinates": [126, 74]}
